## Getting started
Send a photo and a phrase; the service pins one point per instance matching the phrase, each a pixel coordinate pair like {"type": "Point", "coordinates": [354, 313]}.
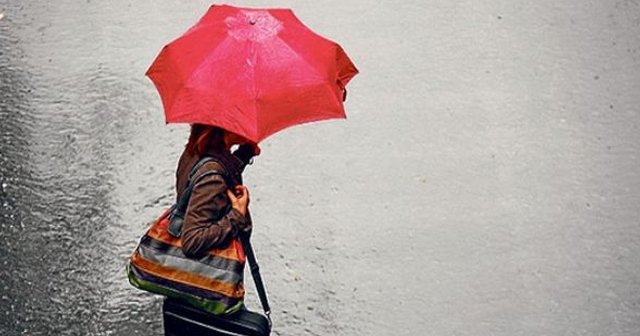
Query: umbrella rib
{"type": "Point", "coordinates": [256, 93]}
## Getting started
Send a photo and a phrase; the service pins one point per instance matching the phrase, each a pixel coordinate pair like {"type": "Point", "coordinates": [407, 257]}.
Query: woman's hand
{"type": "Point", "coordinates": [239, 199]}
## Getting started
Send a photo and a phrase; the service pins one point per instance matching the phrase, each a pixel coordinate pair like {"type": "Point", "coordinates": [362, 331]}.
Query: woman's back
{"type": "Point", "coordinates": [209, 220]}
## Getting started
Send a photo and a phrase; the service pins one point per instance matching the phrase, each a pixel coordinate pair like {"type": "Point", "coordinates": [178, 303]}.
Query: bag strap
{"type": "Point", "coordinates": [255, 272]}
{"type": "Point", "coordinates": [181, 206]}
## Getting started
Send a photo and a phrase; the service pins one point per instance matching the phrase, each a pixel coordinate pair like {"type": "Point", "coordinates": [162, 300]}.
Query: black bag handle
{"type": "Point", "coordinates": [178, 210]}
{"type": "Point", "coordinates": [181, 206]}
{"type": "Point", "coordinates": [255, 273]}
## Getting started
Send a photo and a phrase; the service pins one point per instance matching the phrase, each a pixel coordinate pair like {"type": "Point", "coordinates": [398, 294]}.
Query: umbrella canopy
{"type": "Point", "coordinates": [252, 72]}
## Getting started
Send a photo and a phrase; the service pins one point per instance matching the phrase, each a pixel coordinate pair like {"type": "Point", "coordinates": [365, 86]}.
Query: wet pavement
{"type": "Point", "coordinates": [486, 180]}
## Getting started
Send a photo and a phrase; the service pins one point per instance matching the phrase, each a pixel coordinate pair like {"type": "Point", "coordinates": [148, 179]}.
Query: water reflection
{"type": "Point", "coordinates": [16, 179]}
{"type": "Point", "coordinates": [61, 239]}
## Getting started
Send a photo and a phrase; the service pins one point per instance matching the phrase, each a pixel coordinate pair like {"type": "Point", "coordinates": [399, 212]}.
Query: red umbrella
{"type": "Point", "coordinates": [252, 72]}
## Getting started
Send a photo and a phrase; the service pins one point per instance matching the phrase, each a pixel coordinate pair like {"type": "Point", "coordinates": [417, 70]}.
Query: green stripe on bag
{"type": "Point", "coordinates": [214, 307]}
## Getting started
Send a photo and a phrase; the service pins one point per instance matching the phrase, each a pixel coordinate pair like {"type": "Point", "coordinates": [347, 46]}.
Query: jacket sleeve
{"type": "Point", "coordinates": [201, 231]}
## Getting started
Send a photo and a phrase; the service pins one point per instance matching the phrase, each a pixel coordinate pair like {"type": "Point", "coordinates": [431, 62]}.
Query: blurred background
{"type": "Point", "coordinates": [486, 181]}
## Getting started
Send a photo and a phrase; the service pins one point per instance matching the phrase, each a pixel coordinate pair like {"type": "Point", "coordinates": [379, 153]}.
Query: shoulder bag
{"type": "Point", "coordinates": [213, 282]}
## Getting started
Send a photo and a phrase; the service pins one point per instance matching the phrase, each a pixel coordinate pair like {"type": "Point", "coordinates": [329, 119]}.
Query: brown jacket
{"type": "Point", "coordinates": [200, 230]}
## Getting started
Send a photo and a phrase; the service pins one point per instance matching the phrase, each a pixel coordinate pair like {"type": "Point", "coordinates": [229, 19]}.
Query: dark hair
{"type": "Point", "coordinates": [204, 138]}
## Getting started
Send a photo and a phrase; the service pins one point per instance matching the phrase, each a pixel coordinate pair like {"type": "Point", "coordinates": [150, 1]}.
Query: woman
{"type": "Point", "coordinates": [215, 213]}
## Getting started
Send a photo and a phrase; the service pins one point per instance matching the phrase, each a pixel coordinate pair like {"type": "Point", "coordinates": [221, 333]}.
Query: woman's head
{"type": "Point", "coordinates": [231, 139]}
{"type": "Point", "coordinates": [205, 138]}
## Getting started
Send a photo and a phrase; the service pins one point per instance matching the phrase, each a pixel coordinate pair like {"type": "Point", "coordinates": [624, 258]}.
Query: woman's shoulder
{"type": "Point", "coordinates": [210, 166]}
{"type": "Point", "coordinates": [211, 172]}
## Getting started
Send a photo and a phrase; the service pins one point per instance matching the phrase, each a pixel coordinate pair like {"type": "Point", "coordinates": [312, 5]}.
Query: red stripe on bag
{"type": "Point", "coordinates": [187, 278]}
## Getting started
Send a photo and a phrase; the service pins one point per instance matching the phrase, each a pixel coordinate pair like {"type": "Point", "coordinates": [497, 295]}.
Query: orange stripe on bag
{"type": "Point", "coordinates": [159, 232]}
{"type": "Point", "coordinates": [187, 278]}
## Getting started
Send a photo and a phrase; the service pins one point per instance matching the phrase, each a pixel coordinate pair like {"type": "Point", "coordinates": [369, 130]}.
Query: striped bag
{"type": "Point", "coordinates": [213, 282]}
